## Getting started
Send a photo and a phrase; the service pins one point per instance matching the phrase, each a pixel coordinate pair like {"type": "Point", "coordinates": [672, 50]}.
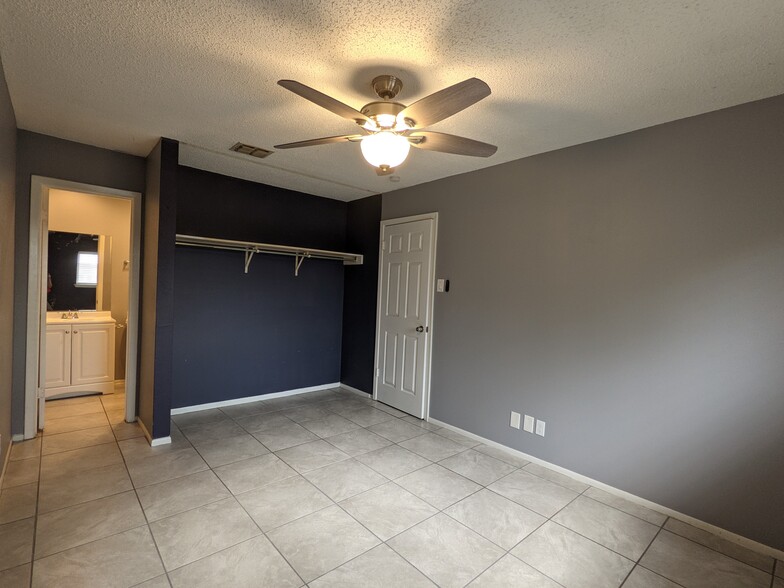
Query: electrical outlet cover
{"type": "Point", "coordinates": [528, 424]}
{"type": "Point", "coordinates": [540, 428]}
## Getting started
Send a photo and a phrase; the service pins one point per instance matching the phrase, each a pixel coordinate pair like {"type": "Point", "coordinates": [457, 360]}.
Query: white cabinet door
{"type": "Point", "coordinates": [58, 356]}
{"type": "Point", "coordinates": [93, 354]}
{"type": "Point", "coordinates": [404, 334]}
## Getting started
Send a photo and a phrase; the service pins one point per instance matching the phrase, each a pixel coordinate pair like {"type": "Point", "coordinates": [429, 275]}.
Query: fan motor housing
{"type": "Point", "coordinates": [386, 86]}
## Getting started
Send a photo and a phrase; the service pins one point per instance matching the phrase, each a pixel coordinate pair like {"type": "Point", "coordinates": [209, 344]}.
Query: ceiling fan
{"type": "Point", "coordinates": [388, 128]}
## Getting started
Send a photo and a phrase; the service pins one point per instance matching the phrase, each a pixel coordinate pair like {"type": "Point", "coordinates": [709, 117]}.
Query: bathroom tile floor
{"type": "Point", "coordinates": [326, 489]}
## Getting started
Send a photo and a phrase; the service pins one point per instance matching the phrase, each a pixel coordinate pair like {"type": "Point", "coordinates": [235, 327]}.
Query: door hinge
{"type": "Point", "coordinates": [39, 393]}
{"type": "Point", "coordinates": [378, 372]}
{"type": "Point", "coordinates": [383, 245]}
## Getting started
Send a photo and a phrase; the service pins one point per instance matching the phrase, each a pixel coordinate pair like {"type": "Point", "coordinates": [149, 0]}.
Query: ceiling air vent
{"type": "Point", "coordinates": [251, 150]}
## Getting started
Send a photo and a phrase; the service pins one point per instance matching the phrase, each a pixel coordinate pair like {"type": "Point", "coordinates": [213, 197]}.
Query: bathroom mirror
{"type": "Point", "coordinates": [79, 271]}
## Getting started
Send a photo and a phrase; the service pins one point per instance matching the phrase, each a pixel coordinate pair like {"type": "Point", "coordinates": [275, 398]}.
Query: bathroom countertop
{"type": "Point", "coordinates": [85, 317]}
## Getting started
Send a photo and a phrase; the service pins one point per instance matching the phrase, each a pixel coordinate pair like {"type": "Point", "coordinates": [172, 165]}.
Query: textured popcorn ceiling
{"type": "Point", "coordinates": [120, 74]}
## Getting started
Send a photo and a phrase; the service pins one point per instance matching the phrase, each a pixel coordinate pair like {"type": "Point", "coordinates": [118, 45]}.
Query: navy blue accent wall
{"type": "Point", "coordinates": [359, 299]}
{"type": "Point", "coordinates": [237, 334]}
{"type": "Point", "coordinates": [157, 299]}
{"type": "Point", "coordinates": [213, 205]}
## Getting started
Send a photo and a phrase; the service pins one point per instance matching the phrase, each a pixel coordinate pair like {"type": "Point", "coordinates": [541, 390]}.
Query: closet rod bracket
{"type": "Point", "coordinates": [248, 256]}
{"type": "Point", "coordinates": [298, 259]}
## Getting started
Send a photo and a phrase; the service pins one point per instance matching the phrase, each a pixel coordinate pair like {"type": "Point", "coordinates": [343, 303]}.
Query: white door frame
{"type": "Point", "coordinates": [431, 287]}
{"type": "Point", "coordinates": [36, 291]}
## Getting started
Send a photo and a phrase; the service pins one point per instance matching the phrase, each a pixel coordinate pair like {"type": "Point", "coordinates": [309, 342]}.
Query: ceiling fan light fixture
{"type": "Point", "coordinates": [386, 121]}
{"type": "Point", "coordinates": [391, 127]}
{"type": "Point", "coordinates": [385, 149]}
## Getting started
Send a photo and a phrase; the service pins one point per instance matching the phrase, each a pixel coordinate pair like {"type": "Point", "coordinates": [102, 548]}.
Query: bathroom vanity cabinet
{"type": "Point", "coordinates": [79, 355]}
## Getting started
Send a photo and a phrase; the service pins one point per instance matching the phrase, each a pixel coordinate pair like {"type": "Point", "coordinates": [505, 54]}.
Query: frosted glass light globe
{"type": "Point", "coordinates": [385, 149]}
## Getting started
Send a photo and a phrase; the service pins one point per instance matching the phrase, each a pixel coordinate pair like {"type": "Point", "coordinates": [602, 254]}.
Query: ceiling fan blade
{"type": "Point", "coordinates": [321, 141]}
{"type": "Point", "coordinates": [324, 101]}
{"type": "Point", "coordinates": [451, 144]}
{"type": "Point", "coordinates": [446, 102]}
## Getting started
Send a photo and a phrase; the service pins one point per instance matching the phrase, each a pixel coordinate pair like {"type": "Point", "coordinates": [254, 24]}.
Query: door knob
{"type": "Point", "coordinates": [420, 329]}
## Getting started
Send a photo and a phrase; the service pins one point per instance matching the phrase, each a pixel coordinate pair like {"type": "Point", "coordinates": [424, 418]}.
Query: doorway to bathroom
{"type": "Point", "coordinates": [83, 299]}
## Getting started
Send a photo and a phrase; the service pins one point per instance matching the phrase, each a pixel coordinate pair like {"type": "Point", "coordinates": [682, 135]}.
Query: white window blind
{"type": "Point", "coordinates": [87, 269]}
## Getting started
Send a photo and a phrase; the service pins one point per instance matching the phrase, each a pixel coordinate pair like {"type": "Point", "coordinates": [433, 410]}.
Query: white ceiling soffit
{"type": "Point", "coordinates": [121, 74]}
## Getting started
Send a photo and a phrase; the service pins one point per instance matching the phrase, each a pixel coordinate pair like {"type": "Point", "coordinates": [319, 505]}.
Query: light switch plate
{"type": "Point", "coordinates": [440, 287]}
{"type": "Point", "coordinates": [528, 424]}
{"type": "Point", "coordinates": [540, 428]}
{"type": "Point", "coordinates": [515, 420]}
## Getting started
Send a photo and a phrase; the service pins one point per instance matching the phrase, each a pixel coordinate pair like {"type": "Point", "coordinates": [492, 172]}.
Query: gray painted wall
{"type": "Point", "coordinates": [7, 184]}
{"type": "Point", "coordinates": [55, 158]}
{"type": "Point", "coordinates": [630, 293]}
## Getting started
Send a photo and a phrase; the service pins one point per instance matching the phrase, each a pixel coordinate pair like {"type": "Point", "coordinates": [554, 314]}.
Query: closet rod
{"type": "Point", "coordinates": [250, 248]}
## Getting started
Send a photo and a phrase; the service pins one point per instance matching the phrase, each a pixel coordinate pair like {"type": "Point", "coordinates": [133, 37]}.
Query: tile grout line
{"type": "Point", "coordinates": [438, 510]}
{"type": "Point", "coordinates": [84, 503]}
{"type": "Point", "coordinates": [139, 502]}
{"type": "Point", "coordinates": [666, 519]}
{"type": "Point", "coordinates": [135, 489]}
{"type": "Point", "coordinates": [335, 503]}
{"type": "Point", "coordinates": [547, 519]}
{"type": "Point", "coordinates": [638, 564]}
{"type": "Point", "coordinates": [424, 431]}
{"type": "Point", "coordinates": [35, 515]}
{"type": "Point", "coordinates": [232, 495]}
{"type": "Point", "coordinates": [771, 573]}
{"type": "Point", "coordinates": [38, 514]}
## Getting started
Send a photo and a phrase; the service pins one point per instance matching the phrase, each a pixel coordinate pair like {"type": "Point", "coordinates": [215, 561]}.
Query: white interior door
{"type": "Point", "coordinates": [405, 300]}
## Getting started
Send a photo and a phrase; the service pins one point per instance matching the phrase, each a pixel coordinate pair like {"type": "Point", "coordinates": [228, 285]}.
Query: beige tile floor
{"type": "Point", "coordinates": [327, 489]}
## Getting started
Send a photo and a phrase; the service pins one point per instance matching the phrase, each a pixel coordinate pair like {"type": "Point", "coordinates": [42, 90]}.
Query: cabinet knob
{"type": "Point", "coordinates": [76, 332]}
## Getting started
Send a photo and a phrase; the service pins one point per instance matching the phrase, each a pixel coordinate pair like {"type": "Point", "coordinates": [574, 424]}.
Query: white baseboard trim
{"type": "Point", "coordinates": [153, 442]}
{"type": "Point", "coordinates": [723, 533]}
{"type": "Point", "coordinates": [160, 441]}
{"type": "Point", "coordinates": [246, 399]}
{"type": "Point", "coordinates": [355, 390]}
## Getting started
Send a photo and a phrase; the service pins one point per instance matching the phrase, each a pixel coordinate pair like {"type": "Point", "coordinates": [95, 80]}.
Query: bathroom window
{"type": "Point", "coordinates": [86, 270]}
